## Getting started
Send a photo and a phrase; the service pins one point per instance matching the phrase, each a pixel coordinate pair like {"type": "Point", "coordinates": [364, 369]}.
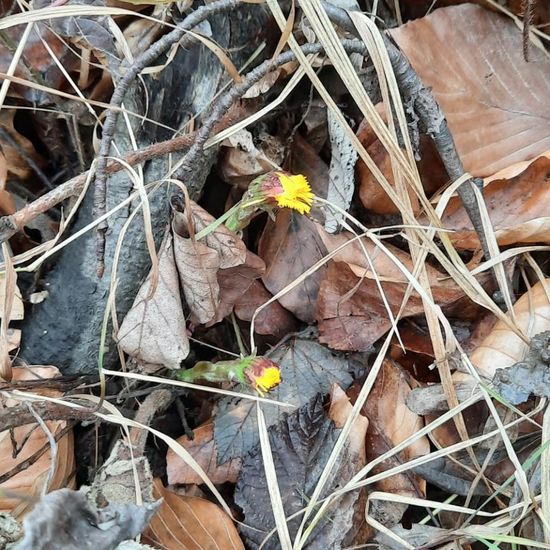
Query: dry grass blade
{"type": "Point", "coordinates": [273, 486]}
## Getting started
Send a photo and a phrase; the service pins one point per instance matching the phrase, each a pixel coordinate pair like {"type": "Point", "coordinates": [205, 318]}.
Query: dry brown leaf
{"type": "Point", "coordinates": [390, 423]}
{"type": "Point", "coordinates": [350, 309]}
{"type": "Point", "coordinates": [244, 160]}
{"type": "Point", "coordinates": [203, 449]}
{"type": "Point", "coordinates": [289, 247]}
{"type": "Point", "coordinates": [517, 206]}
{"type": "Point", "coordinates": [197, 265]}
{"type": "Point", "coordinates": [496, 104]}
{"type": "Point", "coordinates": [31, 439]}
{"type": "Point", "coordinates": [191, 523]}
{"type": "Point", "coordinates": [234, 282]}
{"type": "Point", "coordinates": [274, 319]}
{"type": "Point", "coordinates": [37, 61]}
{"type": "Point", "coordinates": [154, 329]}
{"type": "Point", "coordinates": [371, 193]}
{"type": "Point", "coordinates": [351, 313]}
{"type": "Point", "coordinates": [502, 347]}
{"type": "Point", "coordinates": [230, 248]}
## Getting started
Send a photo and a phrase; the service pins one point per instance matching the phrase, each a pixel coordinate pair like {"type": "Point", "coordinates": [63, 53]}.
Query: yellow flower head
{"type": "Point", "coordinates": [262, 374]}
{"type": "Point", "coordinates": [296, 192]}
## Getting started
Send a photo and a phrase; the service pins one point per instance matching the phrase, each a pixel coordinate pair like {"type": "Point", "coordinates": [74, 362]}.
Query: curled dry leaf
{"type": "Point", "coordinates": [203, 449]}
{"type": "Point", "coordinates": [273, 320]}
{"type": "Point", "coordinates": [215, 271]}
{"type": "Point", "coordinates": [289, 247]}
{"type": "Point", "coordinates": [31, 439]}
{"type": "Point", "coordinates": [301, 445]}
{"type": "Point", "coordinates": [390, 423]}
{"type": "Point", "coordinates": [154, 330]}
{"type": "Point", "coordinates": [190, 522]}
{"type": "Point", "coordinates": [496, 104]}
{"type": "Point", "coordinates": [198, 266]}
{"type": "Point", "coordinates": [517, 206]}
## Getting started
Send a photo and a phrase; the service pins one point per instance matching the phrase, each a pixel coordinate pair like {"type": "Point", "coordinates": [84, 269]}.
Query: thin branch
{"type": "Point", "coordinates": [143, 61]}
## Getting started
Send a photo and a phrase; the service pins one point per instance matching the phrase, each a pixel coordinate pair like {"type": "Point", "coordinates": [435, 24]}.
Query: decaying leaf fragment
{"type": "Point", "coordinates": [154, 330]}
{"type": "Point", "coordinates": [66, 519]}
{"type": "Point", "coordinates": [301, 444]}
{"type": "Point", "coordinates": [529, 376]}
{"type": "Point", "coordinates": [390, 423]}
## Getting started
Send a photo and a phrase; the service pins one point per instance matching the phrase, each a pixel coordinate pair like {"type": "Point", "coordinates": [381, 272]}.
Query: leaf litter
{"type": "Point", "coordinates": [284, 278]}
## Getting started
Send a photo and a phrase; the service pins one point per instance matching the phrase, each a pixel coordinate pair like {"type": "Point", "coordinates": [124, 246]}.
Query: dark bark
{"type": "Point", "coordinates": [64, 330]}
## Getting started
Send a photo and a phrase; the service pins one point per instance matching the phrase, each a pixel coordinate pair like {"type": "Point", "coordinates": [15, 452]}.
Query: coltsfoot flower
{"type": "Point", "coordinates": [276, 189]}
{"type": "Point", "coordinates": [259, 373]}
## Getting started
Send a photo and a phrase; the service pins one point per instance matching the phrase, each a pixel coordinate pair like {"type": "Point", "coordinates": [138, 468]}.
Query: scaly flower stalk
{"type": "Point", "coordinates": [259, 373]}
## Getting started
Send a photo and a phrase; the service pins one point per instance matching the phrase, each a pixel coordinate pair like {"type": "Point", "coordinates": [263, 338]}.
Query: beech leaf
{"type": "Point", "coordinates": [496, 104]}
{"type": "Point", "coordinates": [190, 522]}
{"type": "Point", "coordinates": [517, 206]}
{"type": "Point", "coordinates": [289, 247]}
{"type": "Point", "coordinates": [154, 330]}
{"type": "Point", "coordinates": [203, 449]}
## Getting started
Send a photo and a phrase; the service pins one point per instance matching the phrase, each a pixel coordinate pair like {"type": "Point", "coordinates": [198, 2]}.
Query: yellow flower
{"type": "Point", "coordinates": [262, 374]}
{"type": "Point", "coordinates": [296, 193]}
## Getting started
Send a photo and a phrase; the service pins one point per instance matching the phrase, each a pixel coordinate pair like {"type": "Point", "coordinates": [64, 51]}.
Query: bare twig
{"type": "Point", "coordinates": [144, 60]}
{"type": "Point", "coordinates": [19, 415]}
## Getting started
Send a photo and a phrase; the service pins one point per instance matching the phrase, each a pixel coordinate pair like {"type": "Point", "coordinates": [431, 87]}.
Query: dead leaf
{"type": "Point", "coordinates": [372, 195]}
{"type": "Point", "coordinates": [390, 423]}
{"type": "Point", "coordinates": [197, 265]}
{"type": "Point", "coordinates": [301, 444]}
{"type": "Point", "coordinates": [190, 522]}
{"type": "Point", "coordinates": [529, 376]}
{"type": "Point", "coordinates": [274, 320]}
{"type": "Point", "coordinates": [350, 309]}
{"type": "Point", "coordinates": [37, 61]}
{"type": "Point", "coordinates": [245, 159]}
{"type": "Point", "coordinates": [306, 160]}
{"type": "Point", "coordinates": [495, 103]}
{"type": "Point", "coordinates": [230, 248]}
{"type": "Point", "coordinates": [289, 247]}
{"type": "Point", "coordinates": [517, 206]}
{"type": "Point", "coordinates": [203, 449]}
{"type": "Point", "coordinates": [234, 282]}
{"type": "Point", "coordinates": [341, 173]}
{"type": "Point", "coordinates": [351, 313]}
{"type": "Point", "coordinates": [31, 439]}
{"type": "Point", "coordinates": [307, 369]}
{"type": "Point", "coordinates": [154, 329]}
{"type": "Point", "coordinates": [16, 148]}
{"type": "Point", "coordinates": [502, 347]}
